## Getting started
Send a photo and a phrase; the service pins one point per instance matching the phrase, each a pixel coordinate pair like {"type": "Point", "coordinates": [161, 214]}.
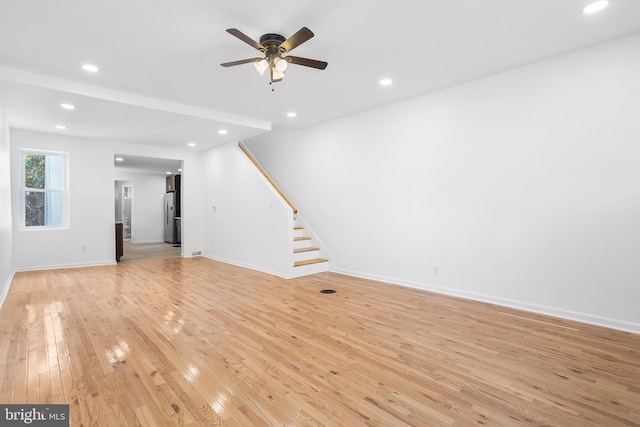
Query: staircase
{"type": "Point", "coordinates": [306, 257]}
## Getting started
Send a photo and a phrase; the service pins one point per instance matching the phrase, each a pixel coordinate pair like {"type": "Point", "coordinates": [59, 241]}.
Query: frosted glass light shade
{"type": "Point", "coordinates": [261, 66]}
{"type": "Point", "coordinates": [280, 64]}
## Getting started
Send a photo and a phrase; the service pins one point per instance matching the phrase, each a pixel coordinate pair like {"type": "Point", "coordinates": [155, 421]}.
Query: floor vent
{"type": "Point", "coordinates": [328, 291]}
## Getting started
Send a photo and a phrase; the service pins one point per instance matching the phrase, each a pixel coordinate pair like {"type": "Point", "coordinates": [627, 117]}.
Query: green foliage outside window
{"type": "Point", "coordinates": [34, 170]}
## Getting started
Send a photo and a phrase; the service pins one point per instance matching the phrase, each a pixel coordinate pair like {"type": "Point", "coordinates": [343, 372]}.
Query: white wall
{"type": "Point", "coordinates": [91, 187]}
{"type": "Point", "coordinates": [522, 188]}
{"type": "Point", "coordinates": [247, 223]}
{"type": "Point", "coordinates": [90, 239]}
{"type": "Point", "coordinates": [6, 232]}
{"type": "Point", "coordinates": [147, 207]}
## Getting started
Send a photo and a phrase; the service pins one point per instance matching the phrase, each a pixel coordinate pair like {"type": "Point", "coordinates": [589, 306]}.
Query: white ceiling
{"type": "Point", "coordinates": [160, 81]}
{"type": "Point", "coordinates": [146, 165]}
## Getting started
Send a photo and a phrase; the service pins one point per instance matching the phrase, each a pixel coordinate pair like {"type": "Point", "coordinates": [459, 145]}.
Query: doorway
{"type": "Point", "coordinates": [140, 187]}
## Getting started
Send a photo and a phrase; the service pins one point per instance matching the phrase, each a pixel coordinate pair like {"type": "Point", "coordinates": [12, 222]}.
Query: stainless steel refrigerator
{"type": "Point", "coordinates": [169, 218]}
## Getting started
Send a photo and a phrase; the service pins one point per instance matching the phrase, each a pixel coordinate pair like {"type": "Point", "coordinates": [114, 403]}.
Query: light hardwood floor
{"type": "Point", "coordinates": [150, 250]}
{"type": "Point", "coordinates": [175, 341]}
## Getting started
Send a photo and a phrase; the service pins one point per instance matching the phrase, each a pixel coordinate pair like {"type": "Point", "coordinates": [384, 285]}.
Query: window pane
{"type": "Point", "coordinates": [54, 172]}
{"type": "Point", "coordinates": [54, 209]}
{"type": "Point", "coordinates": [33, 208]}
{"type": "Point", "coordinates": [54, 212]}
{"type": "Point", "coordinates": [34, 171]}
{"type": "Point", "coordinates": [44, 208]}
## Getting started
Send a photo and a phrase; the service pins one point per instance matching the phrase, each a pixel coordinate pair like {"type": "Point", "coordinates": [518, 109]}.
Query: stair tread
{"type": "Point", "coordinates": [309, 249]}
{"type": "Point", "coordinates": [309, 261]}
{"type": "Point", "coordinates": [297, 228]}
{"type": "Point", "coordinates": [295, 239]}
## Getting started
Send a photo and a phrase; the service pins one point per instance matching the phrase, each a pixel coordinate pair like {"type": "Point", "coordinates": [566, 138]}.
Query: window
{"type": "Point", "coordinates": [44, 195]}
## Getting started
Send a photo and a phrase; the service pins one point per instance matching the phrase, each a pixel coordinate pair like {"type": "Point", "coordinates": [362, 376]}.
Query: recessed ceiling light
{"type": "Point", "coordinates": [596, 6]}
{"type": "Point", "coordinates": [385, 82]}
{"type": "Point", "coordinates": [90, 68]}
{"type": "Point", "coordinates": [119, 159]}
{"type": "Point", "coordinates": [179, 170]}
{"type": "Point", "coordinates": [191, 144]}
{"type": "Point", "coordinates": [168, 173]}
{"type": "Point", "coordinates": [222, 132]}
{"type": "Point", "coordinates": [63, 127]}
{"type": "Point", "coordinates": [68, 106]}
{"type": "Point", "coordinates": [291, 114]}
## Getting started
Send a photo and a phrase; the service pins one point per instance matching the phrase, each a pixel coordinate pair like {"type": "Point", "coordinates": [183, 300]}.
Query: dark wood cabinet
{"type": "Point", "coordinates": [171, 183]}
{"type": "Point", "coordinates": [178, 191]}
{"type": "Point", "coordinates": [119, 241]}
{"type": "Point", "coordinates": [173, 186]}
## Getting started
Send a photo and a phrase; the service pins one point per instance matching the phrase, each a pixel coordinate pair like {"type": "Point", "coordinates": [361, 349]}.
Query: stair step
{"type": "Point", "coordinates": [309, 249]}
{"type": "Point", "coordinates": [309, 261]}
{"type": "Point", "coordinates": [298, 232]}
{"type": "Point", "coordinates": [297, 239]}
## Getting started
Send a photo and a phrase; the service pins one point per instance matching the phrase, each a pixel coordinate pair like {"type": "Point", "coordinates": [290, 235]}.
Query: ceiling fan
{"type": "Point", "coordinates": [273, 46]}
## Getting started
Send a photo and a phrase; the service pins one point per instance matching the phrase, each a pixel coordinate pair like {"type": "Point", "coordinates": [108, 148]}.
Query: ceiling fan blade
{"type": "Point", "coordinates": [240, 62]}
{"type": "Point", "coordinates": [296, 40]}
{"type": "Point", "coordinates": [313, 63]}
{"type": "Point", "coordinates": [245, 38]}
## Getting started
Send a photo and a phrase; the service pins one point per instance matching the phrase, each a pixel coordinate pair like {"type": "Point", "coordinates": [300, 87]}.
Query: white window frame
{"type": "Point", "coordinates": [64, 191]}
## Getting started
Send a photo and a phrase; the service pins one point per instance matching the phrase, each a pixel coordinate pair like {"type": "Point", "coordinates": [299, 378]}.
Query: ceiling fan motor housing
{"type": "Point", "coordinates": [271, 42]}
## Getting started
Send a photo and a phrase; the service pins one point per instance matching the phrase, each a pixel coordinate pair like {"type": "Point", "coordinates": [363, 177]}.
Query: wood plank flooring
{"type": "Point", "coordinates": [150, 250]}
{"type": "Point", "coordinates": [195, 342]}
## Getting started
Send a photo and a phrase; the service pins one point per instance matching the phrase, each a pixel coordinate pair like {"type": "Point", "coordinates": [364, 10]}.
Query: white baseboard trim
{"type": "Point", "coordinates": [74, 265]}
{"type": "Point", "coordinates": [249, 266]}
{"type": "Point", "coordinates": [7, 285]}
{"type": "Point", "coordinates": [621, 325]}
{"type": "Point", "coordinates": [293, 273]}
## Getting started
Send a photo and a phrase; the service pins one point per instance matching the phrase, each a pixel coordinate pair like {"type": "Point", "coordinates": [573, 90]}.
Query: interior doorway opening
{"type": "Point", "coordinates": [139, 190]}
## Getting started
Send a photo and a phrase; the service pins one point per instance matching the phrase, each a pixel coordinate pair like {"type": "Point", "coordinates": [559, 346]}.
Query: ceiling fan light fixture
{"type": "Point", "coordinates": [280, 64]}
{"type": "Point", "coordinates": [277, 75]}
{"type": "Point", "coordinates": [261, 66]}
{"type": "Point", "coordinates": [273, 46]}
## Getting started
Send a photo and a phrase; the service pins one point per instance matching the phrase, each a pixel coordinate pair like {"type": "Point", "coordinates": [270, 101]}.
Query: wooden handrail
{"type": "Point", "coordinates": [262, 171]}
